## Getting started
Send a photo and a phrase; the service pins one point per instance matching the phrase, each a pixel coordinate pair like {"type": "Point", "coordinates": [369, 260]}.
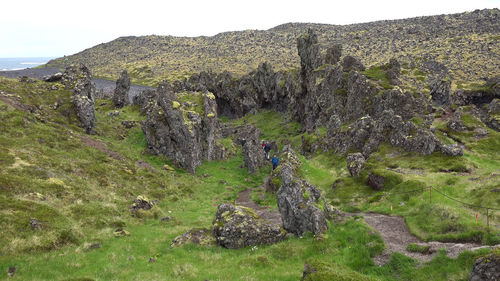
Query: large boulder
{"type": "Point", "coordinates": [253, 154]}
{"type": "Point", "coordinates": [301, 205]}
{"type": "Point", "coordinates": [440, 91]}
{"type": "Point", "coordinates": [455, 123]}
{"type": "Point", "coordinates": [355, 162]}
{"type": "Point", "coordinates": [333, 54]}
{"type": "Point", "coordinates": [184, 131]}
{"type": "Point", "coordinates": [351, 63]}
{"type": "Point", "coordinates": [120, 95]}
{"type": "Point", "coordinates": [83, 95]}
{"type": "Point", "coordinates": [236, 227]}
{"type": "Point", "coordinates": [145, 100]}
{"type": "Point", "coordinates": [486, 268]}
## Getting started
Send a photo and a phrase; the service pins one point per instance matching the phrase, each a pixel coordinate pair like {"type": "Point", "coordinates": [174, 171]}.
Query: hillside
{"type": "Point", "coordinates": [466, 44]}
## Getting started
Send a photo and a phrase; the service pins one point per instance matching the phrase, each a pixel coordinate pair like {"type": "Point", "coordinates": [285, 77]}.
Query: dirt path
{"type": "Point", "coordinates": [397, 236]}
{"type": "Point", "coordinates": [265, 213]}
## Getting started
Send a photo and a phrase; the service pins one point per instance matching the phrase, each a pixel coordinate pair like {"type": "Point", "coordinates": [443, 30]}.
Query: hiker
{"type": "Point", "coordinates": [275, 161]}
{"type": "Point", "coordinates": [243, 142]}
{"type": "Point", "coordinates": [267, 148]}
{"type": "Point", "coordinates": [263, 144]}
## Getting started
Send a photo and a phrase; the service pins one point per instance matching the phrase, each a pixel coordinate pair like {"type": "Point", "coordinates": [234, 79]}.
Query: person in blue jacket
{"type": "Point", "coordinates": [275, 161]}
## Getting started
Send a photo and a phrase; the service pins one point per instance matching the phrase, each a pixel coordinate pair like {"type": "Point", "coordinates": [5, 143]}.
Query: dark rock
{"type": "Point", "coordinates": [128, 124]}
{"type": "Point", "coordinates": [152, 260]}
{"type": "Point", "coordinates": [167, 218]}
{"type": "Point", "coordinates": [486, 268]}
{"type": "Point", "coordinates": [94, 246]}
{"type": "Point", "coordinates": [183, 133]}
{"type": "Point", "coordinates": [198, 236]}
{"type": "Point", "coordinates": [238, 226]}
{"type": "Point", "coordinates": [253, 154]}
{"type": "Point", "coordinates": [455, 123]}
{"type": "Point", "coordinates": [451, 150]}
{"type": "Point", "coordinates": [351, 63]}
{"type": "Point", "coordinates": [120, 95]}
{"type": "Point", "coordinates": [355, 163]}
{"type": "Point", "coordinates": [301, 205]}
{"type": "Point", "coordinates": [83, 95]}
{"type": "Point", "coordinates": [333, 54]}
{"type": "Point", "coordinates": [393, 69]}
{"type": "Point", "coordinates": [145, 100]}
{"type": "Point", "coordinates": [493, 114]}
{"type": "Point", "coordinates": [310, 59]}
{"type": "Point", "coordinates": [440, 92]}
{"type": "Point", "coordinates": [35, 224]}
{"type": "Point", "coordinates": [376, 182]}
{"type": "Point", "coordinates": [53, 78]}
{"type": "Point", "coordinates": [11, 271]}
{"type": "Point", "coordinates": [141, 202]}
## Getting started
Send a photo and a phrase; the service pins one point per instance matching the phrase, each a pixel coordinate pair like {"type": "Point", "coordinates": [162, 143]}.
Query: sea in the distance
{"type": "Point", "coordinates": [22, 63]}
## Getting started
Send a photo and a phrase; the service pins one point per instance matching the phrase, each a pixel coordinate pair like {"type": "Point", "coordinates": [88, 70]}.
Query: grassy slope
{"type": "Point", "coordinates": [87, 196]}
{"type": "Point", "coordinates": [465, 43]}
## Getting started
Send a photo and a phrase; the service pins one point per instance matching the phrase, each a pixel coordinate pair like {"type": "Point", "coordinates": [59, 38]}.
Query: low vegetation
{"type": "Point", "coordinates": [65, 194]}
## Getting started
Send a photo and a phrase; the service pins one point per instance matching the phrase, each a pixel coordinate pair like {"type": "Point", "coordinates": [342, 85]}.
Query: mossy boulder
{"type": "Point", "coordinates": [379, 179]}
{"type": "Point", "coordinates": [486, 268]}
{"type": "Point", "coordinates": [198, 236]}
{"type": "Point", "coordinates": [301, 204]}
{"type": "Point", "coordinates": [238, 226]}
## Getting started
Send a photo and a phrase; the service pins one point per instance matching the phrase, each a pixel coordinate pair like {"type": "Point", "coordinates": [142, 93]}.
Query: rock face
{"type": "Point", "coordinates": [145, 100]}
{"type": "Point", "coordinates": [440, 92]}
{"type": "Point", "coordinates": [236, 227]}
{"type": "Point", "coordinates": [301, 205]}
{"type": "Point", "coordinates": [185, 132]}
{"type": "Point", "coordinates": [358, 113]}
{"type": "Point", "coordinates": [253, 154]}
{"type": "Point", "coordinates": [83, 95]}
{"type": "Point", "coordinates": [120, 95]}
{"type": "Point", "coordinates": [355, 163]}
{"type": "Point", "coordinates": [455, 123]}
{"type": "Point", "coordinates": [486, 268]}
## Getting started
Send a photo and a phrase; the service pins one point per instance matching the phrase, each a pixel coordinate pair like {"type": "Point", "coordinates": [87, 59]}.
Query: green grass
{"type": "Point", "coordinates": [81, 195]}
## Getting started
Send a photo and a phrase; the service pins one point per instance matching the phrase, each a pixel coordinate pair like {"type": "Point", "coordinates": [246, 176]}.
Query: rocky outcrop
{"type": "Point", "coordinates": [355, 162]}
{"type": "Point", "coordinates": [120, 95]}
{"type": "Point", "coordinates": [253, 154]}
{"type": "Point", "coordinates": [351, 63]}
{"type": "Point", "coordinates": [80, 79]}
{"type": "Point", "coordinates": [455, 123]}
{"type": "Point", "coordinates": [440, 92]}
{"type": "Point", "coordinates": [185, 132]}
{"type": "Point", "coordinates": [333, 54]}
{"type": "Point", "coordinates": [486, 268]}
{"type": "Point", "coordinates": [145, 100]}
{"type": "Point", "coordinates": [301, 205]}
{"type": "Point", "coordinates": [236, 227]}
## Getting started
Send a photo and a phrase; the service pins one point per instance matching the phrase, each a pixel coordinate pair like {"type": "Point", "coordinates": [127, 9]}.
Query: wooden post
{"type": "Point", "coordinates": [430, 194]}
{"type": "Point", "coordinates": [487, 219]}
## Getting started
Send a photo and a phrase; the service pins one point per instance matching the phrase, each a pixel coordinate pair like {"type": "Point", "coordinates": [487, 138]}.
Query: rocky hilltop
{"type": "Point", "coordinates": [463, 45]}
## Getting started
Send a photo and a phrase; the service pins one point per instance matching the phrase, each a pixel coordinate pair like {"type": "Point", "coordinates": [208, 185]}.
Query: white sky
{"type": "Point", "coordinates": [30, 28]}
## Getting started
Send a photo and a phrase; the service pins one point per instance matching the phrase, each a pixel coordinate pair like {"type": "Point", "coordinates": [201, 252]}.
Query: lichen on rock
{"type": "Point", "coordinates": [238, 226]}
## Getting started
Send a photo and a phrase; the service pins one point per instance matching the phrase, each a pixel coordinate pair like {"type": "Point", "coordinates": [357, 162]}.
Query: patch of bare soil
{"type": "Point", "coordinates": [397, 236]}
{"type": "Point", "coordinates": [99, 145]}
{"type": "Point", "coordinates": [264, 212]}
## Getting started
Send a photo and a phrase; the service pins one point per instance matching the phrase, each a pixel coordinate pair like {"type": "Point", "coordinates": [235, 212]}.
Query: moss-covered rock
{"type": "Point", "coordinates": [238, 226]}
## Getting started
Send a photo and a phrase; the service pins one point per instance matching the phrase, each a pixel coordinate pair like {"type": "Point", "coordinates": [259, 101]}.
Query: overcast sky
{"type": "Point", "coordinates": [30, 28]}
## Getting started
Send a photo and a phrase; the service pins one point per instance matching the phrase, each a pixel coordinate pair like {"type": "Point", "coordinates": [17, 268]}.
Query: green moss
{"type": "Point", "coordinates": [317, 270]}
{"type": "Point", "coordinates": [414, 248]}
{"type": "Point", "coordinates": [175, 104]}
